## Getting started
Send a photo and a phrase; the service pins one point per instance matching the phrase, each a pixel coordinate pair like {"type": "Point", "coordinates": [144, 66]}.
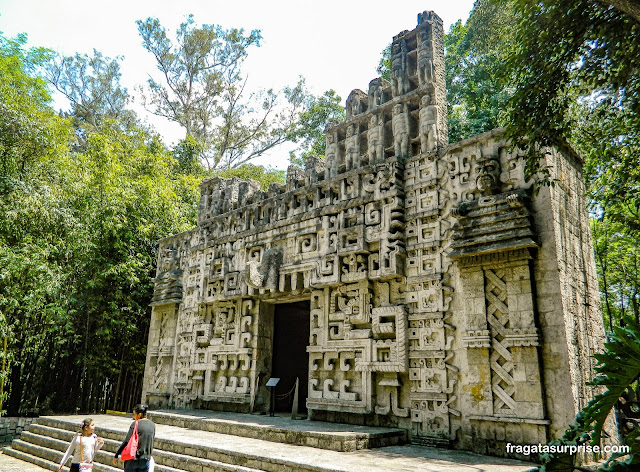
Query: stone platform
{"type": "Point", "coordinates": [282, 429]}
{"type": "Point", "coordinates": [200, 450]}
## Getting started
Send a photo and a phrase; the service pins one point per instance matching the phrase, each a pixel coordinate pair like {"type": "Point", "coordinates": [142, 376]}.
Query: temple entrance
{"type": "Point", "coordinates": [290, 358]}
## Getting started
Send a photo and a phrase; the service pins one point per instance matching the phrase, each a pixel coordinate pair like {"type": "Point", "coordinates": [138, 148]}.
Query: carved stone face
{"type": "Point", "coordinates": [397, 109]}
{"type": "Point", "coordinates": [488, 175]}
{"type": "Point", "coordinates": [373, 121]}
{"type": "Point", "coordinates": [426, 100]}
{"type": "Point", "coordinates": [350, 130]}
{"type": "Point", "coordinates": [168, 257]}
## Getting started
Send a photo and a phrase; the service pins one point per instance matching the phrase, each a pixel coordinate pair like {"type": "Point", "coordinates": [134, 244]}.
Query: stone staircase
{"type": "Point", "coordinates": [44, 444]}
{"type": "Point", "coordinates": [46, 440]}
{"type": "Point", "coordinates": [227, 442]}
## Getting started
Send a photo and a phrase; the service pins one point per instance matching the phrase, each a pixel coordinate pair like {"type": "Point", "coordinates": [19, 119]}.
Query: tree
{"type": "Point", "coordinates": [127, 197]}
{"type": "Point", "coordinates": [187, 152]}
{"type": "Point", "coordinates": [575, 51]}
{"type": "Point", "coordinates": [29, 131]}
{"type": "Point", "coordinates": [204, 91]}
{"type": "Point", "coordinates": [78, 243]}
{"type": "Point", "coordinates": [92, 86]}
{"type": "Point", "coordinates": [32, 144]}
{"type": "Point", "coordinates": [264, 176]}
{"type": "Point", "coordinates": [309, 130]}
{"type": "Point", "coordinates": [475, 54]}
{"type": "Point", "coordinates": [630, 7]}
{"type": "Point", "coordinates": [618, 263]}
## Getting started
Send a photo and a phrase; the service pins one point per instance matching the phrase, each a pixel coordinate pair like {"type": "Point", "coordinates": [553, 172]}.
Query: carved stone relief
{"type": "Point", "coordinates": [425, 264]}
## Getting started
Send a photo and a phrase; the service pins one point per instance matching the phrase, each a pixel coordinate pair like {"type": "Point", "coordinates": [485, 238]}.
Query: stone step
{"type": "Point", "coordinates": [56, 448]}
{"type": "Point", "coordinates": [179, 449]}
{"type": "Point", "coordinates": [179, 453]}
{"type": "Point", "coordinates": [55, 441]}
{"type": "Point", "coordinates": [23, 456]}
{"type": "Point", "coordinates": [332, 436]}
{"type": "Point", "coordinates": [48, 458]}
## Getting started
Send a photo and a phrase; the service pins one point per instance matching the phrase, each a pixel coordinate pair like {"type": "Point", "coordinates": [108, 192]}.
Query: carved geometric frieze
{"type": "Point", "coordinates": [477, 338]}
{"type": "Point", "coordinates": [387, 355]}
{"type": "Point", "coordinates": [334, 383]}
{"type": "Point", "coordinates": [427, 294]}
{"type": "Point", "coordinates": [430, 415]}
{"type": "Point", "coordinates": [328, 271]}
{"type": "Point", "coordinates": [383, 321]}
{"type": "Point", "coordinates": [168, 288]}
{"type": "Point", "coordinates": [351, 240]}
{"type": "Point", "coordinates": [424, 261]}
{"type": "Point", "coordinates": [525, 337]}
{"type": "Point", "coordinates": [354, 268]}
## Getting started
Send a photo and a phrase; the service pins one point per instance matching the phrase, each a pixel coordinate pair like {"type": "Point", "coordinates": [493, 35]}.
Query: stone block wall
{"type": "Point", "coordinates": [12, 427]}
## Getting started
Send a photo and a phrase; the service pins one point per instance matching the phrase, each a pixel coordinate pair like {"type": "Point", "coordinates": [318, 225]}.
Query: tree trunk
{"type": "Point", "coordinates": [630, 7]}
{"type": "Point", "coordinates": [117, 391]}
{"type": "Point", "coordinates": [15, 395]}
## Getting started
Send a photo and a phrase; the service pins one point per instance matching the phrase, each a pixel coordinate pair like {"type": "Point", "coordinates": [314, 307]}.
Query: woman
{"type": "Point", "coordinates": [83, 448]}
{"type": "Point", "coordinates": [146, 434]}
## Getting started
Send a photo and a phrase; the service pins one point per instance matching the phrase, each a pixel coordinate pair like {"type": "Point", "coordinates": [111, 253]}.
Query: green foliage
{"type": "Point", "coordinates": [575, 435]}
{"type": "Point", "coordinates": [384, 66]}
{"type": "Point", "coordinates": [608, 137]}
{"type": "Point", "coordinates": [618, 264]}
{"type": "Point", "coordinates": [128, 198]}
{"type": "Point", "coordinates": [309, 130]}
{"type": "Point", "coordinates": [618, 370]}
{"type": "Point", "coordinates": [30, 300]}
{"type": "Point", "coordinates": [264, 176]}
{"type": "Point", "coordinates": [92, 86]}
{"type": "Point", "coordinates": [30, 133]}
{"type": "Point", "coordinates": [566, 51]}
{"type": "Point", "coordinates": [618, 375]}
{"type": "Point", "coordinates": [474, 60]}
{"type": "Point", "coordinates": [78, 233]}
{"type": "Point", "coordinates": [187, 152]}
{"type": "Point", "coordinates": [32, 225]}
{"type": "Point", "coordinates": [203, 90]}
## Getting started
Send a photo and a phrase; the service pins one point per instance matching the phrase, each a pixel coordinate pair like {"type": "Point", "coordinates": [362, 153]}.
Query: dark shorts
{"type": "Point", "coordinates": [136, 465]}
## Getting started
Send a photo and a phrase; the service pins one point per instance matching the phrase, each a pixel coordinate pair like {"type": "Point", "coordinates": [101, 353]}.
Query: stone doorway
{"type": "Point", "coordinates": [291, 329]}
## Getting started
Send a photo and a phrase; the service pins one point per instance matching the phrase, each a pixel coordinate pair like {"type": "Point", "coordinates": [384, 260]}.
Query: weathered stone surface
{"type": "Point", "coordinates": [445, 296]}
{"type": "Point", "coordinates": [11, 427]}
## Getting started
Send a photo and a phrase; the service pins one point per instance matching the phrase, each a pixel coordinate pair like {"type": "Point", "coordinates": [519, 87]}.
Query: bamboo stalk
{"type": "Point", "coordinates": [4, 367]}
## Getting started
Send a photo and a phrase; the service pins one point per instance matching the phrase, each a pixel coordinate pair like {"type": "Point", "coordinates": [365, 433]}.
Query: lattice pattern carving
{"type": "Point", "coordinates": [501, 359]}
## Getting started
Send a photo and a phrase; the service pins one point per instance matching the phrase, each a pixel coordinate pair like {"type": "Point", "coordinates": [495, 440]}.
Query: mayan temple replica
{"type": "Point", "coordinates": [405, 281]}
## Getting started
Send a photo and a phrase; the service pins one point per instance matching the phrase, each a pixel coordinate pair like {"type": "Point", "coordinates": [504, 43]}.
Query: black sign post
{"type": "Point", "coordinates": [271, 383]}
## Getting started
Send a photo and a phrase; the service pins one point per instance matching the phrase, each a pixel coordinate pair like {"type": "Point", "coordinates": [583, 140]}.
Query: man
{"type": "Point", "coordinates": [146, 434]}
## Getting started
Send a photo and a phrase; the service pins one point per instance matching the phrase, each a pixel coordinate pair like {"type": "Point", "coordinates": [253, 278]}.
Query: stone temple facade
{"type": "Point", "coordinates": [404, 280]}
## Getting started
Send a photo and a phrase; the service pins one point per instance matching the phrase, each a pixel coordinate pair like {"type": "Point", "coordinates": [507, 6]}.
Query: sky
{"type": "Point", "coordinates": [334, 44]}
